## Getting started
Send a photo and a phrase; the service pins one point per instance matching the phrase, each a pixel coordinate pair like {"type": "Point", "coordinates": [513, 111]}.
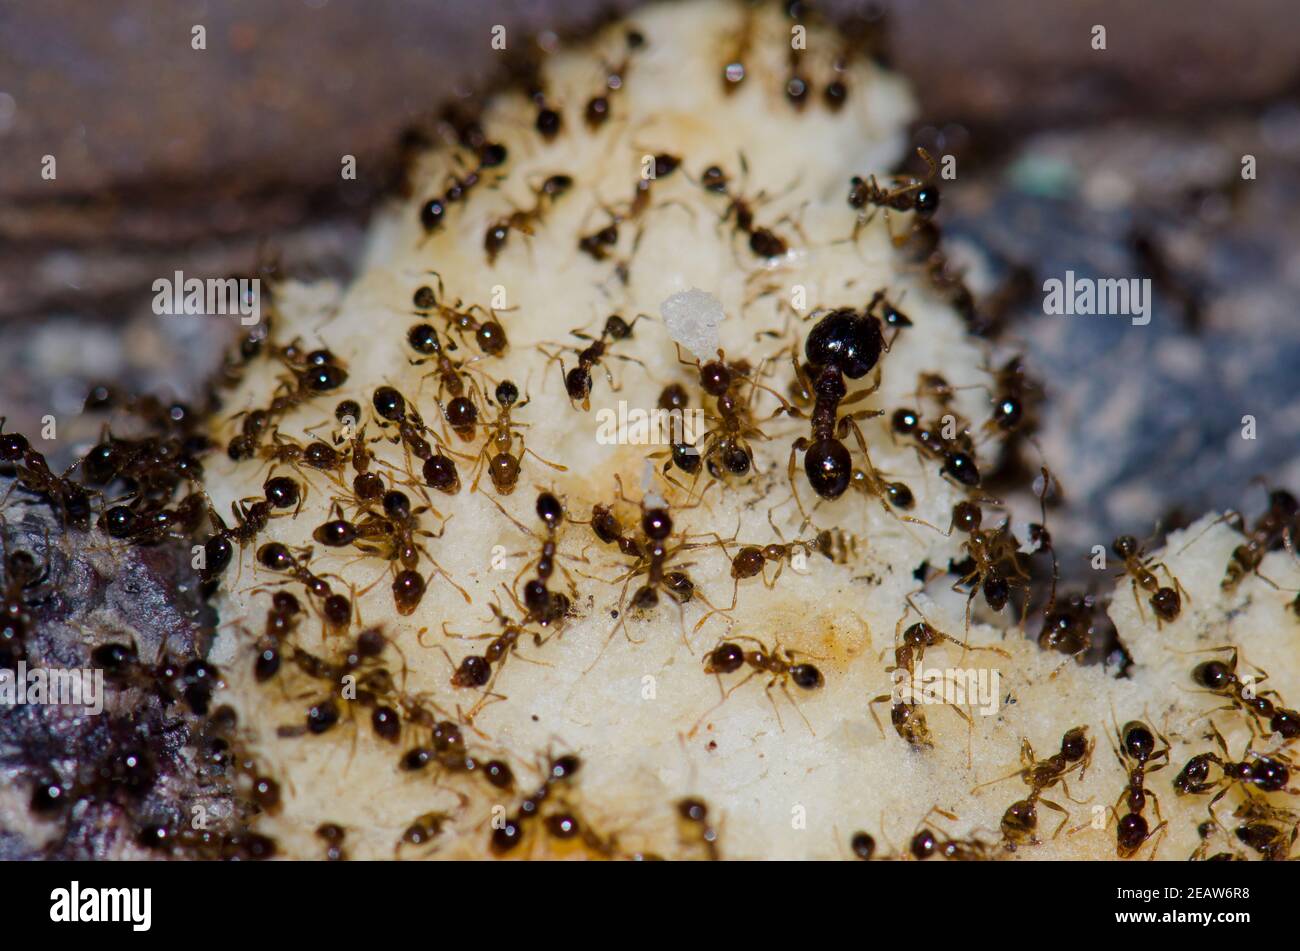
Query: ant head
{"type": "Point", "coordinates": [507, 393]}
{"type": "Point", "coordinates": [1125, 546]}
{"type": "Point", "coordinates": [967, 516]}
{"type": "Point", "coordinates": [1139, 742]}
{"type": "Point", "coordinates": [549, 509]}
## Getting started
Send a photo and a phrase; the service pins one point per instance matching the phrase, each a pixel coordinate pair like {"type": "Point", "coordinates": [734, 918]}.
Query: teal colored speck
{"type": "Point", "coordinates": [1043, 176]}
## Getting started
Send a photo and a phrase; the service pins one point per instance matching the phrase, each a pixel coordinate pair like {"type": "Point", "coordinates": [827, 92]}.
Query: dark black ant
{"type": "Point", "coordinates": [599, 243]}
{"type": "Point", "coordinates": [523, 221]}
{"type": "Point", "coordinates": [907, 194]}
{"type": "Point", "coordinates": [282, 619]}
{"type": "Point", "coordinates": [957, 455]}
{"type": "Point", "coordinates": [251, 518]}
{"type": "Point", "coordinates": [460, 412]}
{"type": "Point", "coordinates": [1165, 601]}
{"type": "Point", "coordinates": [577, 381]}
{"type": "Point", "coordinates": [488, 332]}
{"type": "Point", "coordinates": [70, 501]}
{"type": "Point", "coordinates": [434, 210]}
{"type": "Point", "coordinates": [1221, 678]}
{"type": "Point", "coordinates": [1020, 821]}
{"type": "Point", "coordinates": [843, 343]}
{"type": "Point", "coordinates": [1138, 755]}
{"type": "Point", "coordinates": [763, 242]}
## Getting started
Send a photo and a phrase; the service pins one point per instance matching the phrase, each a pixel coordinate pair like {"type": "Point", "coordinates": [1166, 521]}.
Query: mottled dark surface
{"type": "Point", "coordinates": [93, 593]}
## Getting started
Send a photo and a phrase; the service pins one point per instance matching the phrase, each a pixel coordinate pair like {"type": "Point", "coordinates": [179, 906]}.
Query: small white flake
{"type": "Point", "coordinates": [692, 319]}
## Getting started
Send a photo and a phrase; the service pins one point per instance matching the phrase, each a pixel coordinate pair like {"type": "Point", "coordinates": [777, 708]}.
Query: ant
{"type": "Point", "coordinates": [477, 670]}
{"type": "Point", "coordinates": [68, 499]}
{"type": "Point", "coordinates": [543, 606]}
{"type": "Point", "coordinates": [503, 464]}
{"type": "Point", "coordinates": [315, 455]}
{"type": "Point", "coordinates": [927, 843]}
{"type": "Point", "coordinates": [1268, 774]}
{"type": "Point", "coordinates": [1221, 678]}
{"type": "Point", "coordinates": [282, 620]}
{"type": "Point", "coordinates": [335, 608]}
{"type": "Point", "coordinates": [523, 221]}
{"type": "Point", "coordinates": [392, 536]}
{"type": "Point", "coordinates": [597, 110]}
{"type": "Point", "coordinates": [728, 657]}
{"type": "Point", "coordinates": [310, 374]}
{"type": "Point", "coordinates": [905, 713]}
{"type": "Point", "coordinates": [1013, 394]}
{"type": "Point", "coordinates": [842, 344]}
{"type": "Point", "coordinates": [763, 242]}
{"type": "Point", "coordinates": [439, 469]}
{"type": "Point", "coordinates": [509, 834]}
{"type": "Point", "coordinates": [488, 333]}
{"type": "Point", "coordinates": [907, 194]}
{"type": "Point", "coordinates": [251, 517]}
{"type": "Point", "coordinates": [22, 577]}
{"type": "Point", "coordinates": [1272, 529]}
{"type": "Point", "coordinates": [433, 211]}
{"type": "Point", "coordinates": [597, 245]}
{"type": "Point", "coordinates": [956, 455]}
{"type": "Point", "coordinates": [750, 561]}
{"type": "Point", "coordinates": [422, 830]}
{"type": "Point", "coordinates": [1138, 755]}
{"type": "Point", "coordinates": [1165, 601]}
{"type": "Point", "coordinates": [1020, 820]}
{"type": "Point", "coordinates": [733, 71]}
{"type": "Point", "coordinates": [221, 748]}
{"type": "Point", "coordinates": [460, 411]}
{"type": "Point", "coordinates": [994, 556]}
{"type": "Point", "coordinates": [577, 381]}
{"type": "Point", "coordinates": [1261, 832]}
{"type": "Point", "coordinates": [695, 827]}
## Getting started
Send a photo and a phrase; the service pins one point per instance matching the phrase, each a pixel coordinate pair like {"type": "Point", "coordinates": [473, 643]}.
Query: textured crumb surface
{"type": "Point", "coordinates": [786, 772]}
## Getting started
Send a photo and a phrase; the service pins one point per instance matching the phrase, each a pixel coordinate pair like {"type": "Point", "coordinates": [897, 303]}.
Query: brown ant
{"type": "Point", "coordinates": [1165, 601]}
{"type": "Point", "coordinates": [597, 110]}
{"type": "Point", "coordinates": [222, 748]}
{"type": "Point", "coordinates": [733, 71]}
{"type": "Point", "coordinates": [460, 412]}
{"type": "Point", "coordinates": [482, 670]}
{"type": "Point", "coordinates": [728, 657]}
{"type": "Point", "coordinates": [1020, 820]}
{"type": "Point", "coordinates": [906, 194]}
{"type": "Point", "coordinates": [251, 518]}
{"type": "Point", "coordinates": [282, 620]}
{"type": "Point", "coordinates": [1138, 755]}
{"type": "Point", "coordinates": [1273, 529]}
{"type": "Point", "coordinates": [907, 715]}
{"type": "Point", "coordinates": [488, 333]}
{"type": "Point", "coordinates": [23, 576]}
{"type": "Point", "coordinates": [994, 559]}
{"type": "Point", "coordinates": [310, 374]}
{"type": "Point", "coordinates": [392, 536]}
{"type": "Point", "coordinates": [543, 606]}
{"type": "Point", "coordinates": [1261, 831]}
{"type": "Point", "coordinates": [1267, 774]}
{"type": "Point", "coordinates": [750, 561]}
{"type": "Point", "coordinates": [502, 462]}
{"type": "Point", "coordinates": [1221, 679]}
{"type": "Point", "coordinates": [523, 221]}
{"type": "Point", "coordinates": [927, 843]}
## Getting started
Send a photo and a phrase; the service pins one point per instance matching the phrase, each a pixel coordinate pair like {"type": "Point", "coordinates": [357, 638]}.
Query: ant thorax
{"type": "Point", "coordinates": [457, 568]}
